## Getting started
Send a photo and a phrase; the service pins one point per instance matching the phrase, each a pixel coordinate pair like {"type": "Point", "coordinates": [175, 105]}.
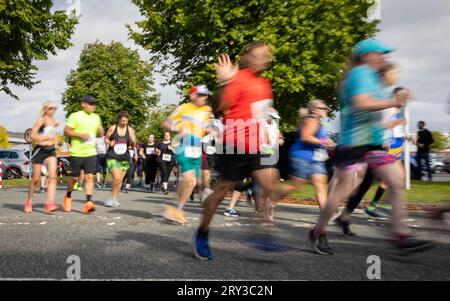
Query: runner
{"type": "Point", "coordinates": [118, 139]}
{"type": "Point", "coordinates": [148, 152]}
{"type": "Point", "coordinates": [309, 153]}
{"type": "Point", "coordinates": [190, 121]}
{"type": "Point", "coordinates": [44, 135]}
{"type": "Point", "coordinates": [165, 160]}
{"type": "Point", "coordinates": [395, 138]}
{"type": "Point", "coordinates": [244, 100]}
{"type": "Point", "coordinates": [361, 147]}
{"type": "Point", "coordinates": [100, 164]}
{"type": "Point", "coordinates": [140, 164]}
{"type": "Point", "coordinates": [129, 176]}
{"type": "Point", "coordinates": [208, 157]}
{"type": "Point", "coordinates": [82, 128]}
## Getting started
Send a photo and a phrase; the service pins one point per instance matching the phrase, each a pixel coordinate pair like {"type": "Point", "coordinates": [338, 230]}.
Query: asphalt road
{"type": "Point", "coordinates": [134, 242]}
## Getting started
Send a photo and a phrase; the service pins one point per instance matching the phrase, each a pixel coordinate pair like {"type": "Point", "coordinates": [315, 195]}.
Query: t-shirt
{"type": "Point", "coordinates": [166, 153]}
{"type": "Point", "coordinates": [101, 146]}
{"type": "Point", "coordinates": [361, 127]}
{"type": "Point", "coordinates": [82, 122]}
{"type": "Point", "coordinates": [196, 119]}
{"type": "Point", "coordinates": [247, 97]}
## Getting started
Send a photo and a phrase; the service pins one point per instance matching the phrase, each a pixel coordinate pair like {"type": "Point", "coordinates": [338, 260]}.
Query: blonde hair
{"type": "Point", "coordinates": [45, 106]}
{"type": "Point", "coordinates": [305, 112]}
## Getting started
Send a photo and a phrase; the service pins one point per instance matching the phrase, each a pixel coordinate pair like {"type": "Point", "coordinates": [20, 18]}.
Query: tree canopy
{"type": "Point", "coordinates": [29, 32]}
{"type": "Point", "coordinates": [311, 40]}
{"type": "Point", "coordinates": [117, 77]}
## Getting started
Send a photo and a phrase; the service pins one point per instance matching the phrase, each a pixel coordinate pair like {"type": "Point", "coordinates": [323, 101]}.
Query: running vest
{"type": "Point", "coordinates": [46, 130]}
{"type": "Point", "coordinates": [119, 151]}
{"type": "Point", "coordinates": [309, 152]}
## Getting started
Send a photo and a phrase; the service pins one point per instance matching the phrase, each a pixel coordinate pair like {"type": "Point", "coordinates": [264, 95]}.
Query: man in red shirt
{"type": "Point", "coordinates": [244, 100]}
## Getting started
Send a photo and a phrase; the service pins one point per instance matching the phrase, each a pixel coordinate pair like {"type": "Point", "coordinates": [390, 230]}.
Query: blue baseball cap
{"type": "Point", "coordinates": [371, 45]}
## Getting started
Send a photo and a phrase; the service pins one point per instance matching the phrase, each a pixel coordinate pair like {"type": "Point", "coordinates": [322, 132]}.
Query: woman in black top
{"type": "Point", "coordinates": [165, 160]}
{"type": "Point", "coordinates": [118, 139]}
{"type": "Point", "coordinates": [148, 152]}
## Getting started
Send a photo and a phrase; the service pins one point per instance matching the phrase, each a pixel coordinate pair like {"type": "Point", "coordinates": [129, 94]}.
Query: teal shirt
{"type": "Point", "coordinates": [361, 127]}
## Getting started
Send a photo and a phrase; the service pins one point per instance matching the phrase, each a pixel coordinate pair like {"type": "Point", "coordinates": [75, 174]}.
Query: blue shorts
{"type": "Point", "coordinates": [303, 169]}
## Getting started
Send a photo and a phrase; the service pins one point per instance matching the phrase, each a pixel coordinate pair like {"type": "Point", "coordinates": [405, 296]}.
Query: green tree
{"type": "Point", "coordinates": [29, 32]}
{"type": "Point", "coordinates": [119, 80]}
{"type": "Point", "coordinates": [4, 137]}
{"type": "Point", "coordinates": [153, 125]}
{"type": "Point", "coordinates": [311, 40]}
{"type": "Point", "coordinates": [440, 141]}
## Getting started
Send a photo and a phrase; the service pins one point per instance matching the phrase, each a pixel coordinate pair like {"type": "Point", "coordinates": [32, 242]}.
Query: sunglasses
{"type": "Point", "coordinates": [323, 108]}
{"type": "Point", "coordinates": [52, 108]}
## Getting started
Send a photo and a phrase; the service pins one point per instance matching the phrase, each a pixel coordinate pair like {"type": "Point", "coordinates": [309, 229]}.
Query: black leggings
{"type": "Point", "coordinates": [150, 169]}
{"type": "Point", "coordinates": [130, 173]}
{"type": "Point", "coordinates": [356, 198]}
{"type": "Point", "coordinates": [166, 170]}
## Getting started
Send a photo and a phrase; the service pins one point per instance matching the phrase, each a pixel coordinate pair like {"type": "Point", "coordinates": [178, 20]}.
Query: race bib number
{"type": "Point", "coordinates": [90, 141]}
{"type": "Point", "coordinates": [149, 150]}
{"type": "Point", "coordinates": [193, 152]}
{"type": "Point", "coordinates": [166, 157]}
{"type": "Point", "coordinates": [120, 149]}
{"type": "Point", "coordinates": [210, 150]}
{"type": "Point", "coordinates": [320, 155]}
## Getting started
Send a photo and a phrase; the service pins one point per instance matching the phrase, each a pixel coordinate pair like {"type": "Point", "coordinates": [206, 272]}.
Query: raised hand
{"type": "Point", "coordinates": [225, 69]}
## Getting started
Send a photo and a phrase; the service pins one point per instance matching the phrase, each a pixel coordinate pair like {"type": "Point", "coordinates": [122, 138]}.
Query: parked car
{"type": "Point", "coordinates": [15, 163]}
{"type": "Point", "coordinates": [437, 164]}
{"type": "Point", "coordinates": [447, 164]}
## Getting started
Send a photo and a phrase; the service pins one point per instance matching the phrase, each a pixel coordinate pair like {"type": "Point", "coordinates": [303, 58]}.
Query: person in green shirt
{"type": "Point", "coordinates": [83, 127]}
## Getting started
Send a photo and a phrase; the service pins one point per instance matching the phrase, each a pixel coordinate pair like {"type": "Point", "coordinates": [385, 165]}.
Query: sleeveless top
{"type": "Point", "coordinates": [46, 130]}
{"type": "Point", "coordinates": [119, 151]}
{"type": "Point", "coordinates": [309, 152]}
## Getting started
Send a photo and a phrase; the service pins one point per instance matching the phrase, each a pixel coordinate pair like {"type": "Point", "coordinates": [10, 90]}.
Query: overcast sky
{"type": "Point", "coordinates": [418, 29]}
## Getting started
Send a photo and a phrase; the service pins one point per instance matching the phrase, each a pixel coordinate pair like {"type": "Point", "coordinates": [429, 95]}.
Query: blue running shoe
{"type": "Point", "coordinates": [375, 213]}
{"type": "Point", "coordinates": [201, 246]}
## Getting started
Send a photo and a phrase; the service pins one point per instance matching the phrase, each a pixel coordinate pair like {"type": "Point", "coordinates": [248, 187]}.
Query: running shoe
{"type": "Point", "coordinates": [67, 204]}
{"type": "Point", "coordinates": [385, 208]}
{"type": "Point", "coordinates": [374, 213]}
{"type": "Point", "coordinates": [28, 207]}
{"type": "Point", "coordinates": [42, 190]}
{"type": "Point", "coordinates": [319, 243]}
{"type": "Point", "coordinates": [345, 226]}
{"type": "Point", "coordinates": [98, 185]}
{"type": "Point", "coordinates": [89, 207]}
{"type": "Point", "coordinates": [174, 215]}
{"type": "Point", "coordinates": [112, 203]}
{"type": "Point", "coordinates": [231, 212]}
{"type": "Point", "coordinates": [411, 245]}
{"type": "Point", "coordinates": [50, 207]}
{"type": "Point", "coordinates": [200, 246]}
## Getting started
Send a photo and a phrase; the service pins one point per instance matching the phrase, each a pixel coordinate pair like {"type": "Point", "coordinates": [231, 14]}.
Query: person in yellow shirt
{"type": "Point", "coordinates": [83, 127]}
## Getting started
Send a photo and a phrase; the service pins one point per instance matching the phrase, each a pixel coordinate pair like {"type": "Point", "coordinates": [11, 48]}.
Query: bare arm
{"type": "Point", "coordinates": [108, 141]}
{"type": "Point", "coordinates": [142, 154]}
{"type": "Point", "coordinates": [366, 102]}
{"type": "Point", "coordinates": [69, 132]}
{"type": "Point", "coordinates": [100, 132]}
{"type": "Point", "coordinates": [309, 129]}
{"type": "Point", "coordinates": [132, 137]}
